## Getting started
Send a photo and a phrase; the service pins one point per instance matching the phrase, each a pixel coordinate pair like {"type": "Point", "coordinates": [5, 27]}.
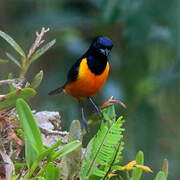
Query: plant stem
{"type": "Point", "coordinates": [25, 67]}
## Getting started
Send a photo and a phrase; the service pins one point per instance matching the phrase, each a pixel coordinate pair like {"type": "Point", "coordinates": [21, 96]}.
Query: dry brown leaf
{"type": "Point", "coordinates": [8, 165]}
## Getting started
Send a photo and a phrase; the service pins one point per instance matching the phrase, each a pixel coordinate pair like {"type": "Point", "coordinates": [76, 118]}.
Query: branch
{"type": "Point", "coordinates": [110, 101]}
{"type": "Point", "coordinates": [37, 42]}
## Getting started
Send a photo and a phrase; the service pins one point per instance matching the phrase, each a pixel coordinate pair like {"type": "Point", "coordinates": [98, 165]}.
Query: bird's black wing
{"type": "Point", "coordinates": [73, 72]}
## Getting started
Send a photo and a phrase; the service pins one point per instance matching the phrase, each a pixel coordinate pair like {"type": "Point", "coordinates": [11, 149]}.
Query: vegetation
{"type": "Point", "coordinates": [144, 72]}
{"type": "Point", "coordinates": [102, 158]}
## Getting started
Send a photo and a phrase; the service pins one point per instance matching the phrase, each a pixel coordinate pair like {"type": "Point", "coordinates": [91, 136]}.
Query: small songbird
{"type": "Point", "coordinates": [89, 73]}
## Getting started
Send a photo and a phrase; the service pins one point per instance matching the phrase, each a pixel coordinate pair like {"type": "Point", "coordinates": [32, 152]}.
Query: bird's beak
{"type": "Point", "coordinates": [105, 51]}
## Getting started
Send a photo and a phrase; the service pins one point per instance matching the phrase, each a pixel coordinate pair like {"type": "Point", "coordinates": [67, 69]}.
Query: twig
{"type": "Point", "coordinates": [48, 132]}
{"type": "Point", "coordinates": [110, 101]}
{"type": "Point", "coordinates": [37, 42]}
{"type": "Point", "coordinates": [8, 81]}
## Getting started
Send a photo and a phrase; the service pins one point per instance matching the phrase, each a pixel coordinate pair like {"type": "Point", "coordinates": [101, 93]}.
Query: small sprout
{"type": "Point", "coordinates": [165, 167]}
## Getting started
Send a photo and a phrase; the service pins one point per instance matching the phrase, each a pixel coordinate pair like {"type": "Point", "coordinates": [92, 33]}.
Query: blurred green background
{"type": "Point", "coordinates": [145, 63]}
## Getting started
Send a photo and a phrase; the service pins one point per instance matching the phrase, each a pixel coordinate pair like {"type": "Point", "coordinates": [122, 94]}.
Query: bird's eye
{"type": "Point", "coordinates": [102, 47]}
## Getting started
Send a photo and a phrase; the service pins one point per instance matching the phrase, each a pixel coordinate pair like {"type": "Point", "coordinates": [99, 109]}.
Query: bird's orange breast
{"type": "Point", "coordinates": [87, 83]}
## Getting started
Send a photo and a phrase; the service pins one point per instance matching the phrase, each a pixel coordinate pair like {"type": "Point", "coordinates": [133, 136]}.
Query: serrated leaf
{"type": "Point", "coordinates": [103, 147]}
{"type": "Point", "coordinates": [37, 80]}
{"type": "Point", "coordinates": [29, 125]}
{"type": "Point", "coordinates": [68, 148]}
{"type": "Point", "coordinates": [9, 100]}
{"type": "Point", "coordinates": [137, 173]}
{"type": "Point", "coordinates": [13, 43]}
{"type": "Point", "coordinates": [13, 59]}
{"type": "Point", "coordinates": [42, 50]}
{"type": "Point", "coordinates": [161, 176]}
{"type": "Point", "coordinates": [3, 61]}
{"type": "Point", "coordinates": [99, 173]}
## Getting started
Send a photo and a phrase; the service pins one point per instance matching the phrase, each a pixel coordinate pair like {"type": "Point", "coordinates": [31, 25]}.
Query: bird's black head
{"type": "Point", "coordinates": [102, 45]}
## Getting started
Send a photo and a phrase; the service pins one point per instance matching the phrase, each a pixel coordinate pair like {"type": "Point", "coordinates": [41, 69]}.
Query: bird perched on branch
{"type": "Point", "coordinates": [89, 73]}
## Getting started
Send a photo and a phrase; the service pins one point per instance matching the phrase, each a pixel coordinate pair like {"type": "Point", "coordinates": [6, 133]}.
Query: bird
{"type": "Point", "coordinates": [88, 74]}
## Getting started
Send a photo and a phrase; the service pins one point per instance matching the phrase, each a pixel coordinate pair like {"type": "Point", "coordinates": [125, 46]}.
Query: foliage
{"type": "Point", "coordinates": [103, 157]}
{"type": "Point", "coordinates": [34, 151]}
{"type": "Point", "coordinates": [145, 62]}
{"type": "Point", "coordinates": [102, 149]}
{"type": "Point", "coordinates": [8, 100]}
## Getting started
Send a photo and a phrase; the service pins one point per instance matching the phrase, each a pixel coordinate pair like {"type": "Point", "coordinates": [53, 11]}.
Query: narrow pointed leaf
{"type": "Point", "coordinates": [30, 127]}
{"type": "Point", "coordinates": [72, 161]}
{"type": "Point", "coordinates": [68, 148]}
{"type": "Point", "coordinates": [42, 50]}
{"type": "Point", "coordinates": [37, 80]}
{"type": "Point", "coordinates": [13, 59]}
{"type": "Point", "coordinates": [165, 167]}
{"type": "Point", "coordinates": [13, 43]}
{"type": "Point", "coordinates": [137, 173]}
{"type": "Point", "coordinates": [9, 100]}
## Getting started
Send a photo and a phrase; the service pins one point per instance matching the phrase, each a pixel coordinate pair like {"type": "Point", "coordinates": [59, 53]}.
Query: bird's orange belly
{"type": "Point", "coordinates": [87, 83]}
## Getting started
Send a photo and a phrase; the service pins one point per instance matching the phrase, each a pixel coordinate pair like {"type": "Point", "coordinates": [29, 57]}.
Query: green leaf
{"type": "Point", "coordinates": [30, 127]}
{"type": "Point", "coordinates": [161, 176]}
{"type": "Point", "coordinates": [30, 154]}
{"type": "Point", "coordinates": [37, 80]}
{"type": "Point", "coordinates": [102, 151]}
{"type": "Point", "coordinates": [9, 100]}
{"type": "Point", "coordinates": [42, 50]}
{"type": "Point", "coordinates": [137, 173]}
{"type": "Point", "coordinates": [13, 59]}
{"type": "Point", "coordinates": [3, 61]}
{"type": "Point", "coordinates": [52, 172]}
{"type": "Point", "coordinates": [19, 164]}
{"type": "Point", "coordinates": [109, 113]}
{"type": "Point", "coordinates": [12, 43]}
{"type": "Point", "coordinates": [68, 148]}
{"type": "Point", "coordinates": [165, 167]}
{"type": "Point", "coordinates": [72, 161]}
{"type": "Point", "coordinates": [42, 155]}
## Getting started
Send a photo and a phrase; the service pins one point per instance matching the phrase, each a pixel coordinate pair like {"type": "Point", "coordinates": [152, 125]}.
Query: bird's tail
{"type": "Point", "coordinates": [56, 91]}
